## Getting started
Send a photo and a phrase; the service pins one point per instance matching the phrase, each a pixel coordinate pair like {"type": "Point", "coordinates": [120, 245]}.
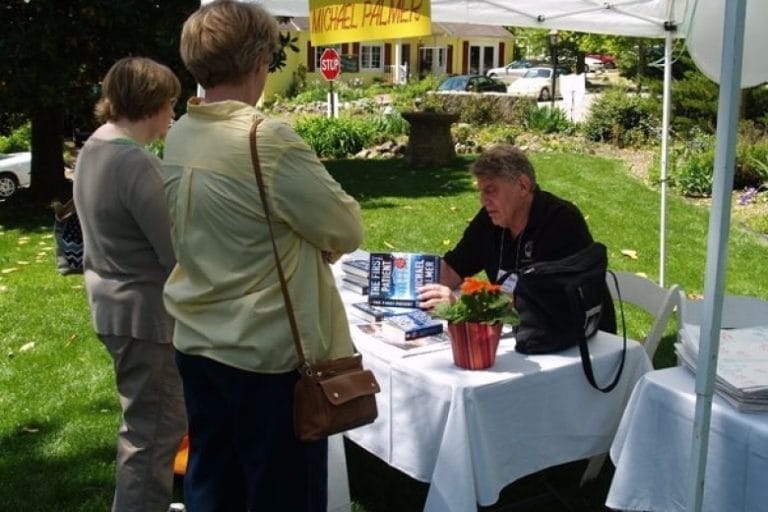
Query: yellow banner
{"type": "Point", "coordinates": [345, 21]}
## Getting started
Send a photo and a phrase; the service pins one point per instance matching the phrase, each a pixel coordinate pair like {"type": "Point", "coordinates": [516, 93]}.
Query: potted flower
{"type": "Point", "coordinates": [474, 322]}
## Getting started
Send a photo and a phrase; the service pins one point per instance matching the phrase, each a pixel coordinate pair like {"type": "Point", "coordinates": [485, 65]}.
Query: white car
{"type": "Point", "coordinates": [537, 83]}
{"type": "Point", "coordinates": [15, 172]}
{"type": "Point", "coordinates": [514, 69]}
{"type": "Point", "coordinates": [593, 65]}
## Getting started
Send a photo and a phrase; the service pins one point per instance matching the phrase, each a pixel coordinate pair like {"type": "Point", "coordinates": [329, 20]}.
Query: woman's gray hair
{"type": "Point", "coordinates": [223, 41]}
{"type": "Point", "coordinates": [503, 161]}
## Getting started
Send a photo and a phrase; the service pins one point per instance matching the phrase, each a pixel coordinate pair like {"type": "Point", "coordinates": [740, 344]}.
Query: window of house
{"type": "Point", "coordinates": [481, 58]}
{"type": "Point", "coordinates": [371, 57]}
{"type": "Point", "coordinates": [433, 60]}
{"type": "Point", "coordinates": [319, 52]}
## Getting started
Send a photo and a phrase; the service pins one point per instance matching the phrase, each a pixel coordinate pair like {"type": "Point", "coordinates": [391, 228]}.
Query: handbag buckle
{"type": "Point", "coordinates": [306, 369]}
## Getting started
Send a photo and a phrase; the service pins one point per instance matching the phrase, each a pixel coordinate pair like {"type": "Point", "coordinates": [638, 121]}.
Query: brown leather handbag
{"type": "Point", "coordinates": [330, 396]}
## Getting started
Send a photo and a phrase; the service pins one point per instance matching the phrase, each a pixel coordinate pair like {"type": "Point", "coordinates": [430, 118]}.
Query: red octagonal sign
{"type": "Point", "coordinates": [330, 64]}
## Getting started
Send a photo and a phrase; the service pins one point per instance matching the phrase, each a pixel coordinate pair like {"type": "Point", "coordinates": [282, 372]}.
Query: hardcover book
{"type": "Point", "coordinates": [395, 277]}
{"type": "Point", "coordinates": [410, 347]}
{"type": "Point", "coordinates": [411, 325]}
{"type": "Point", "coordinates": [361, 289]}
{"type": "Point", "coordinates": [371, 313]}
{"type": "Point", "coordinates": [355, 266]}
{"type": "Point", "coordinates": [352, 278]}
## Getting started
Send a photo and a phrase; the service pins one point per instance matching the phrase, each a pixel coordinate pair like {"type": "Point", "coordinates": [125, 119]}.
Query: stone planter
{"type": "Point", "coordinates": [430, 143]}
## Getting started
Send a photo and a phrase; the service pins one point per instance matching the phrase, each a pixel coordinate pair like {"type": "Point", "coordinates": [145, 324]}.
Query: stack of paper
{"type": "Point", "coordinates": [742, 366]}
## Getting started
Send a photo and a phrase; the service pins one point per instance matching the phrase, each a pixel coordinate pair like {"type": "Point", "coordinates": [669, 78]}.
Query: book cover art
{"type": "Point", "coordinates": [371, 313]}
{"type": "Point", "coordinates": [411, 325]}
{"type": "Point", "coordinates": [395, 277]}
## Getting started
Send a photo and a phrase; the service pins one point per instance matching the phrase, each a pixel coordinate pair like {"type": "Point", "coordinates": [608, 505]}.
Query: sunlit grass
{"type": "Point", "coordinates": [58, 409]}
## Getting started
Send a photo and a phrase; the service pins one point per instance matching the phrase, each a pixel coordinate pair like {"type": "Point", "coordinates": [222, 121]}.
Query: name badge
{"type": "Point", "coordinates": [508, 281]}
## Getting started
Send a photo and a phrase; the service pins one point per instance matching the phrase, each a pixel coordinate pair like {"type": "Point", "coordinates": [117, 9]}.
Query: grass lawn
{"type": "Point", "coordinates": [59, 410]}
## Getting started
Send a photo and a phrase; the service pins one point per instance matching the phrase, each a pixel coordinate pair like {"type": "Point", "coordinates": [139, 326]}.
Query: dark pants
{"type": "Point", "coordinates": [243, 452]}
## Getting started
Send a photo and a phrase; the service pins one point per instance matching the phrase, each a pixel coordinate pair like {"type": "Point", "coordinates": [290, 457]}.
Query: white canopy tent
{"type": "Point", "coordinates": [720, 35]}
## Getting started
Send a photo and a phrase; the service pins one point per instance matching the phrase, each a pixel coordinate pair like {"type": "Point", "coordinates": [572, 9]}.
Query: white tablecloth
{"type": "Point", "coordinates": [470, 433]}
{"type": "Point", "coordinates": [652, 449]}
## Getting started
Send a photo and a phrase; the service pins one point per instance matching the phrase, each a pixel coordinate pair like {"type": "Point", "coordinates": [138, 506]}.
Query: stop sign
{"type": "Point", "coordinates": [330, 64]}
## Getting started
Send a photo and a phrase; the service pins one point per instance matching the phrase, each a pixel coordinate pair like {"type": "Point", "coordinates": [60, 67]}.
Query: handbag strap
{"type": "Point", "coordinates": [586, 362]}
{"type": "Point", "coordinates": [280, 274]}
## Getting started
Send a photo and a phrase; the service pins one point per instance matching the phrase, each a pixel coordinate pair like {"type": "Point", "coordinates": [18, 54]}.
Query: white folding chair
{"type": "Point", "coordinates": [738, 311]}
{"type": "Point", "coordinates": [658, 302]}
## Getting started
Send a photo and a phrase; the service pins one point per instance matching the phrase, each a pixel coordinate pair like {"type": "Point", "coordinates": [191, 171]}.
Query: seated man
{"type": "Point", "coordinates": [518, 224]}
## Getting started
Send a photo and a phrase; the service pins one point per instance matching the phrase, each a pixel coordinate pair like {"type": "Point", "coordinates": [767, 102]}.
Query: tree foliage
{"type": "Point", "coordinates": [53, 55]}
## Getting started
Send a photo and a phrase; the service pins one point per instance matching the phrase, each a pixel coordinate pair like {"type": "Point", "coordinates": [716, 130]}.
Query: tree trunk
{"type": "Point", "coordinates": [48, 180]}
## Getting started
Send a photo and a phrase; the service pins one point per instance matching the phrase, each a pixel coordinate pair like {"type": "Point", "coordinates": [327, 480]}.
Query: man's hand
{"type": "Point", "coordinates": [431, 295]}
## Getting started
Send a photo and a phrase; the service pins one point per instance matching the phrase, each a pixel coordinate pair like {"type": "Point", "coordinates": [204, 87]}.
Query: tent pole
{"type": "Point", "coordinates": [665, 114]}
{"type": "Point", "coordinates": [717, 245]}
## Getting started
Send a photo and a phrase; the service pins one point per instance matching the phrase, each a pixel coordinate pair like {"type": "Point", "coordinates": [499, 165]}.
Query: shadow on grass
{"type": "Point", "coordinates": [23, 212]}
{"type": "Point", "coordinates": [369, 181]}
{"type": "Point", "coordinates": [377, 487]}
{"type": "Point", "coordinates": [37, 476]}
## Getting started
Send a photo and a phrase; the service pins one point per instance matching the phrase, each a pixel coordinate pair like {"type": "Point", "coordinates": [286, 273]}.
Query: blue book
{"type": "Point", "coordinates": [411, 325]}
{"type": "Point", "coordinates": [371, 313]}
{"type": "Point", "coordinates": [394, 277]}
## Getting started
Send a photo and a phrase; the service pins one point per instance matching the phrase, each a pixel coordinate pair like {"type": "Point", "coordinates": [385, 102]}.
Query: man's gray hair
{"type": "Point", "coordinates": [503, 161]}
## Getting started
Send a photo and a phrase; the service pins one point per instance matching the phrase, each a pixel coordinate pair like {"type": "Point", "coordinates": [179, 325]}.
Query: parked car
{"type": "Point", "coordinates": [608, 61]}
{"type": "Point", "coordinates": [15, 172]}
{"type": "Point", "coordinates": [515, 68]}
{"type": "Point", "coordinates": [593, 65]}
{"type": "Point", "coordinates": [471, 83]}
{"type": "Point", "coordinates": [537, 83]}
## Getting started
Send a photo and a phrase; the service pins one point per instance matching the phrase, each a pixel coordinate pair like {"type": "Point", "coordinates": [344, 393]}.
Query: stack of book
{"type": "Point", "coordinates": [355, 274]}
{"type": "Point", "coordinates": [741, 378]}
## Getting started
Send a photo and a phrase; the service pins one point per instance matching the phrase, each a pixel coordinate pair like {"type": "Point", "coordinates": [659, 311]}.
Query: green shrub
{"type": "Point", "coordinates": [478, 110]}
{"type": "Point", "coordinates": [385, 126]}
{"type": "Point", "coordinates": [623, 119]}
{"type": "Point", "coordinates": [336, 137]}
{"type": "Point", "coordinates": [756, 105]}
{"type": "Point", "coordinates": [548, 120]}
{"type": "Point", "coordinates": [694, 177]}
{"type": "Point", "coordinates": [694, 103]}
{"type": "Point", "coordinates": [692, 163]}
{"type": "Point", "coordinates": [483, 109]}
{"type": "Point", "coordinates": [479, 138]}
{"type": "Point", "coordinates": [18, 140]}
{"type": "Point", "coordinates": [406, 97]}
{"type": "Point", "coordinates": [298, 82]}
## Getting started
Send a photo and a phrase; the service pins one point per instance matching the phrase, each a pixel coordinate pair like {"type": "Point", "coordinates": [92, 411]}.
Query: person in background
{"type": "Point", "coordinates": [518, 224]}
{"type": "Point", "coordinates": [235, 350]}
{"type": "Point", "coordinates": [119, 197]}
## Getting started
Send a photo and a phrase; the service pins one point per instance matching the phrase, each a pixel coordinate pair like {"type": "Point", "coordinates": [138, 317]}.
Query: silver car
{"type": "Point", "coordinates": [15, 172]}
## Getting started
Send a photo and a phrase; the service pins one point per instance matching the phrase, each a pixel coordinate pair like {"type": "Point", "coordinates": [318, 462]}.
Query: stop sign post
{"type": "Point", "coordinates": [330, 68]}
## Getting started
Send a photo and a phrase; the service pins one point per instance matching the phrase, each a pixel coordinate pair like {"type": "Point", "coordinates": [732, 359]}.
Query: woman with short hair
{"type": "Point", "coordinates": [234, 345]}
{"type": "Point", "coordinates": [118, 192]}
